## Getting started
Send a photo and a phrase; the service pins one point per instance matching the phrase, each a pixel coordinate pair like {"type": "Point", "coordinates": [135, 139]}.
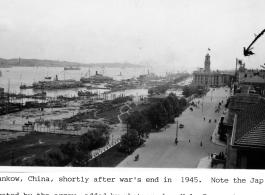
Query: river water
{"type": "Point", "coordinates": [13, 77]}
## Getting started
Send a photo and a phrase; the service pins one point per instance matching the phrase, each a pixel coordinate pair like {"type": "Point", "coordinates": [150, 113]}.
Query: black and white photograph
{"type": "Point", "coordinates": [132, 84]}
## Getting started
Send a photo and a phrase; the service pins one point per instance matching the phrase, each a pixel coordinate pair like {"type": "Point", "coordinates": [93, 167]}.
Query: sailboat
{"type": "Point", "coordinates": [47, 77]}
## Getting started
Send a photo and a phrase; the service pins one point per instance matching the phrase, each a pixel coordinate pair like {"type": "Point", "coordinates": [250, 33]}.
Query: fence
{"type": "Point", "coordinates": [105, 148]}
{"type": "Point", "coordinates": [11, 128]}
{"type": "Point", "coordinates": [40, 129]}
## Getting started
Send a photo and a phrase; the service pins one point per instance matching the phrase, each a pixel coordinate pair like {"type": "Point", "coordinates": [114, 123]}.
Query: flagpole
{"type": "Point", "coordinates": [236, 70]}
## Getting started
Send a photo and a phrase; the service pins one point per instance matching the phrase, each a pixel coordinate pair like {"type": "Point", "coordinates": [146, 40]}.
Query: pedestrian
{"type": "Point", "coordinates": [204, 118]}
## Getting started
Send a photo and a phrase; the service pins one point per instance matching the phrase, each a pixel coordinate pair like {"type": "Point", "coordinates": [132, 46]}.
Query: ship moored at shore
{"type": "Point", "coordinates": [97, 78]}
{"type": "Point", "coordinates": [57, 84]}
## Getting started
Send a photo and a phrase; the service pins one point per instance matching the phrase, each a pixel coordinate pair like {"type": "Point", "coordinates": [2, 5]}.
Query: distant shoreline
{"type": "Point", "coordinates": [82, 66]}
{"type": "Point", "coordinates": [19, 62]}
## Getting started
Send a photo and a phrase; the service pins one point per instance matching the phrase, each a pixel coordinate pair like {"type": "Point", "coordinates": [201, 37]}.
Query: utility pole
{"type": "Point", "coordinates": [177, 130]}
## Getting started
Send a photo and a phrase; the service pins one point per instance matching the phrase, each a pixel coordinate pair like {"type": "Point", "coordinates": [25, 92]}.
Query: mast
{"type": "Point", "coordinates": [8, 89]}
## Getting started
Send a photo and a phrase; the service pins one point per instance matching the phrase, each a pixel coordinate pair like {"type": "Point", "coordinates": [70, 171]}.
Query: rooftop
{"type": "Point", "coordinates": [240, 102]}
{"type": "Point", "coordinates": [255, 79]}
{"type": "Point", "coordinates": [250, 126]}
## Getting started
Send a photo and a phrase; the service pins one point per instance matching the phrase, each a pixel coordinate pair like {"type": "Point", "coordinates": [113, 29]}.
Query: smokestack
{"type": "Point", "coordinates": [235, 89]}
{"type": "Point", "coordinates": [148, 71]}
{"type": "Point", "coordinates": [96, 72]}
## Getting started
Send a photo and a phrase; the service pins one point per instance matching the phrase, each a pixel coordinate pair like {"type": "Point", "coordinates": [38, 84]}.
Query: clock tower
{"type": "Point", "coordinates": [207, 63]}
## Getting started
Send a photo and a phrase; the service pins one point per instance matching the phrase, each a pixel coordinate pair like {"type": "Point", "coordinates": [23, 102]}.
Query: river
{"type": "Point", "coordinates": [13, 77]}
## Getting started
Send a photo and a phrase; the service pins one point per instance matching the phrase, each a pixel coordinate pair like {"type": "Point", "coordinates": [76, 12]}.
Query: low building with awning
{"type": "Point", "coordinates": [256, 82]}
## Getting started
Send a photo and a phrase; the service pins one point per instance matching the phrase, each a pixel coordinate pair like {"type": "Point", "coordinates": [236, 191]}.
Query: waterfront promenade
{"type": "Point", "coordinates": [160, 151]}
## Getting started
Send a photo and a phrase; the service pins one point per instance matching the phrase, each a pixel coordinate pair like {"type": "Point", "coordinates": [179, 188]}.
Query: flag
{"type": "Point", "coordinates": [238, 61]}
{"type": "Point", "coordinates": [209, 49]}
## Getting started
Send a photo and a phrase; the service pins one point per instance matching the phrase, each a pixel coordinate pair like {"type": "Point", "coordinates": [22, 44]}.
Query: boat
{"type": "Point", "coordinates": [47, 77]}
{"type": "Point", "coordinates": [72, 68]}
{"type": "Point", "coordinates": [25, 87]}
{"type": "Point", "coordinates": [97, 78]}
{"type": "Point", "coordinates": [57, 84]}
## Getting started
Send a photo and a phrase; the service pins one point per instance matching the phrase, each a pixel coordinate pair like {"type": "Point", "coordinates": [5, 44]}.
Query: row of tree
{"type": "Point", "coordinates": [157, 116]}
{"type": "Point", "coordinates": [160, 89]}
{"type": "Point", "coordinates": [55, 123]}
{"type": "Point", "coordinates": [191, 89]}
{"type": "Point", "coordinates": [181, 78]}
{"type": "Point", "coordinates": [119, 100]}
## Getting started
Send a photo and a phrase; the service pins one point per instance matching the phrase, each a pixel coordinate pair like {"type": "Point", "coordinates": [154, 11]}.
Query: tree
{"type": "Point", "coordinates": [174, 101]}
{"type": "Point", "coordinates": [187, 91]}
{"type": "Point", "coordinates": [169, 109]}
{"type": "Point", "coordinates": [82, 159]}
{"type": "Point", "coordinates": [222, 131]}
{"type": "Point", "coordinates": [157, 115]}
{"type": "Point", "coordinates": [130, 139]}
{"type": "Point", "coordinates": [69, 150]}
{"type": "Point", "coordinates": [139, 122]}
{"type": "Point", "coordinates": [56, 158]}
{"type": "Point", "coordinates": [64, 125]}
{"type": "Point", "coordinates": [121, 100]}
{"type": "Point", "coordinates": [151, 91]}
{"type": "Point", "coordinates": [159, 89]}
{"type": "Point", "coordinates": [182, 102]}
{"type": "Point", "coordinates": [47, 123]}
{"type": "Point", "coordinates": [94, 139]}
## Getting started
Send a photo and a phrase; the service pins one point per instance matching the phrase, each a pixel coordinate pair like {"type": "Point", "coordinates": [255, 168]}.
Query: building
{"type": "Point", "coordinates": [257, 84]}
{"type": "Point", "coordinates": [240, 102]}
{"type": "Point", "coordinates": [210, 78]}
{"type": "Point", "coordinates": [148, 77]}
{"type": "Point", "coordinates": [246, 145]}
{"type": "Point", "coordinates": [157, 98]}
{"type": "Point", "coordinates": [244, 73]}
{"type": "Point", "coordinates": [2, 96]}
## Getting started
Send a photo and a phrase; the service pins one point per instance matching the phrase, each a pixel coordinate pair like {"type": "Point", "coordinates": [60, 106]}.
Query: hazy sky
{"type": "Point", "coordinates": [166, 32]}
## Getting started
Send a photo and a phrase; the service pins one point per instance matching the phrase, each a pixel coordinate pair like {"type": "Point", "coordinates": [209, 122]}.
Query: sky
{"type": "Point", "coordinates": [173, 33]}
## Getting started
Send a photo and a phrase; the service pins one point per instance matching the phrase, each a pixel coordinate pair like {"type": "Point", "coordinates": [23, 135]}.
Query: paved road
{"type": "Point", "coordinates": [160, 150]}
